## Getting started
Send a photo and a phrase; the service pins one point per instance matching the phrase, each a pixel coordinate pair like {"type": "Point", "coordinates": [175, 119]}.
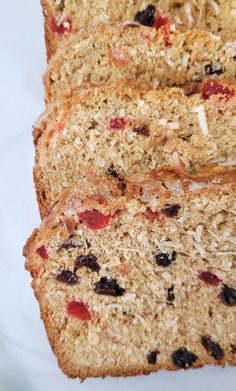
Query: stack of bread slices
{"type": "Point", "coordinates": [134, 263]}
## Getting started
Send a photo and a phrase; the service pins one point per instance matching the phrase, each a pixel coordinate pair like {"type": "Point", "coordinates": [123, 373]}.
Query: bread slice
{"type": "Point", "coordinates": [66, 17]}
{"type": "Point", "coordinates": [140, 54]}
{"type": "Point", "coordinates": [119, 130]}
{"type": "Point", "coordinates": [132, 281]}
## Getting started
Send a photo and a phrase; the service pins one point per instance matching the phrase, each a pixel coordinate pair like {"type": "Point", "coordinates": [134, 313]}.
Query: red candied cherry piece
{"type": "Point", "coordinates": [118, 123]}
{"type": "Point", "coordinates": [60, 127]}
{"type": "Point", "coordinates": [79, 310]}
{"type": "Point", "coordinates": [42, 252]}
{"type": "Point", "coordinates": [152, 216]}
{"type": "Point", "coordinates": [208, 278]}
{"type": "Point", "coordinates": [211, 87]}
{"type": "Point", "coordinates": [94, 219]}
{"type": "Point", "coordinates": [161, 20]}
{"type": "Point", "coordinates": [119, 57]}
{"type": "Point", "coordinates": [164, 22]}
{"type": "Point", "coordinates": [61, 28]}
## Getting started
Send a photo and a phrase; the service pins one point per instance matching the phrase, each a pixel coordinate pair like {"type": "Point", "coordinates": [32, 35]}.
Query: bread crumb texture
{"type": "Point", "coordinates": [115, 131]}
{"type": "Point", "coordinates": [64, 18]}
{"type": "Point", "coordinates": [140, 272]}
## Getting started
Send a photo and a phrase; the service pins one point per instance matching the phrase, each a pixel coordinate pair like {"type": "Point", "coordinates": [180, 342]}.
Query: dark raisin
{"type": "Point", "coordinates": [67, 277]}
{"type": "Point", "coordinates": [147, 16]}
{"type": "Point", "coordinates": [111, 171]}
{"type": "Point", "coordinates": [89, 261]}
{"type": "Point", "coordinates": [108, 286]}
{"type": "Point", "coordinates": [212, 347]}
{"type": "Point", "coordinates": [142, 130]}
{"type": "Point", "coordinates": [152, 357]}
{"type": "Point", "coordinates": [170, 295]}
{"type": "Point", "coordinates": [212, 69]}
{"type": "Point", "coordinates": [183, 358]}
{"type": "Point", "coordinates": [67, 244]}
{"type": "Point", "coordinates": [87, 243]}
{"type": "Point", "coordinates": [165, 259]}
{"type": "Point", "coordinates": [171, 210]}
{"type": "Point", "coordinates": [228, 295]}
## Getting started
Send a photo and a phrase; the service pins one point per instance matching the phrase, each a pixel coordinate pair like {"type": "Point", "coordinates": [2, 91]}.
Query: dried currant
{"type": "Point", "coordinates": [111, 171]}
{"type": "Point", "coordinates": [211, 69]}
{"type": "Point", "coordinates": [141, 130]}
{"type": "Point", "coordinates": [208, 278]}
{"type": "Point", "coordinates": [212, 347]}
{"type": "Point", "coordinates": [228, 295]}
{"type": "Point", "coordinates": [183, 358]}
{"type": "Point", "coordinates": [165, 259]}
{"type": "Point", "coordinates": [147, 16]}
{"type": "Point", "coordinates": [78, 310]}
{"type": "Point", "coordinates": [89, 261]}
{"type": "Point", "coordinates": [108, 286]}
{"type": "Point", "coordinates": [171, 210]}
{"type": "Point", "coordinates": [152, 357]}
{"type": "Point", "coordinates": [94, 219]}
{"type": "Point", "coordinates": [68, 244]}
{"type": "Point", "coordinates": [42, 252]}
{"type": "Point", "coordinates": [170, 295]}
{"type": "Point", "coordinates": [67, 277]}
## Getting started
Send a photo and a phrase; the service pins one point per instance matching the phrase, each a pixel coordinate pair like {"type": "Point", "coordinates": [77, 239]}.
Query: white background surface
{"type": "Point", "coordinates": [26, 360]}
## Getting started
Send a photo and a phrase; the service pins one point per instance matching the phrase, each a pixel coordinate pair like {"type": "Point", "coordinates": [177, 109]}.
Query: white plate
{"type": "Point", "coordinates": [26, 360]}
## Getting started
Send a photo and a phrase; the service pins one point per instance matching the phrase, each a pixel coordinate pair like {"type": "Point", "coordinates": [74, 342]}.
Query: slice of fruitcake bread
{"type": "Point", "coordinates": [144, 277]}
{"type": "Point", "coordinates": [140, 54]}
{"type": "Point", "coordinates": [118, 130]}
{"type": "Point", "coordinates": [66, 17]}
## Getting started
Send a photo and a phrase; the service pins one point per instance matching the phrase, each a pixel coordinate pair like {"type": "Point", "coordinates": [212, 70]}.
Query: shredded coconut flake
{"type": "Point", "coordinates": [214, 6]}
{"type": "Point", "coordinates": [200, 110]}
{"type": "Point", "coordinates": [178, 20]}
{"type": "Point", "coordinates": [233, 12]}
{"type": "Point", "coordinates": [173, 125]}
{"type": "Point", "coordinates": [187, 7]}
{"type": "Point", "coordinates": [198, 233]}
{"type": "Point", "coordinates": [185, 60]}
{"type": "Point", "coordinates": [200, 249]}
{"type": "Point", "coordinates": [175, 158]}
{"type": "Point", "coordinates": [163, 121]}
{"type": "Point", "coordinates": [229, 163]}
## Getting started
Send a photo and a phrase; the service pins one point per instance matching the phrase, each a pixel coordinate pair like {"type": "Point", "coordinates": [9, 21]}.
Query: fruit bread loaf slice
{"type": "Point", "coordinates": [118, 130]}
{"type": "Point", "coordinates": [66, 17]}
{"type": "Point", "coordinates": [140, 54]}
{"type": "Point", "coordinates": [129, 283]}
